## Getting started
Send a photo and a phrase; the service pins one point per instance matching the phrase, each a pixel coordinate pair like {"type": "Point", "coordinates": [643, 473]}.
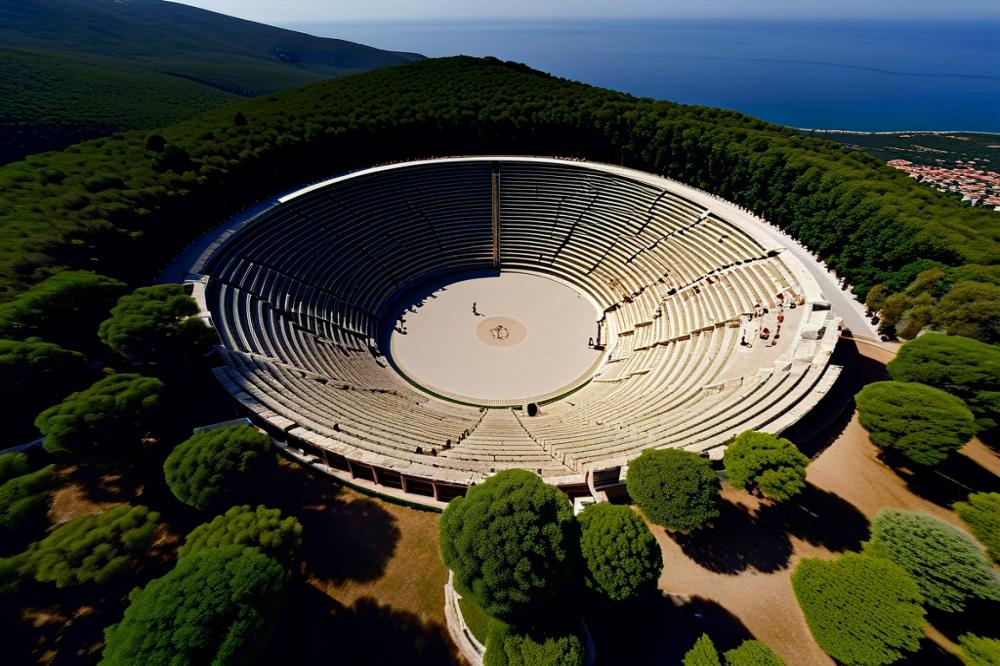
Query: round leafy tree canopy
{"type": "Point", "coordinates": [112, 414]}
{"type": "Point", "coordinates": [216, 466]}
{"type": "Point", "coordinates": [154, 326]}
{"type": "Point", "coordinates": [218, 606]}
{"type": "Point", "coordinates": [981, 512]}
{"type": "Point", "coordinates": [621, 555]}
{"type": "Point", "coordinates": [24, 498]}
{"type": "Point", "coordinates": [948, 567]}
{"type": "Point", "coordinates": [863, 611]}
{"type": "Point", "coordinates": [703, 653]}
{"type": "Point", "coordinates": [261, 528]}
{"type": "Point", "coordinates": [971, 309]}
{"type": "Point", "coordinates": [509, 543]}
{"type": "Point", "coordinates": [508, 646]}
{"type": "Point", "coordinates": [677, 489]}
{"type": "Point", "coordinates": [35, 375]}
{"type": "Point", "coordinates": [765, 462]}
{"type": "Point", "coordinates": [752, 653]}
{"type": "Point", "coordinates": [12, 465]}
{"type": "Point", "coordinates": [924, 423]}
{"type": "Point", "coordinates": [979, 650]}
{"type": "Point", "coordinates": [964, 367]}
{"type": "Point", "coordinates": [65, 309]}
{"type": "Point", "coordinates": [94, 548]}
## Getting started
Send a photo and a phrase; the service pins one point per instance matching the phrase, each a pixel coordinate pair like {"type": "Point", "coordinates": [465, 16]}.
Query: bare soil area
{"type": "Point", "coordinates": [741, 565]}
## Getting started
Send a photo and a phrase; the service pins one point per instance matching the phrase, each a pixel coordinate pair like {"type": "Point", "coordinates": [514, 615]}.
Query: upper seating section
{"type": "Point", "coordinates": [340, 251]}
{"type": "Point", "coordinates": [614, 237]}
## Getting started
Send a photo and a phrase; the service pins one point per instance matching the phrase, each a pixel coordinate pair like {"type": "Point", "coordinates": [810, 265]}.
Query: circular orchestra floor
{"type": "Point", "coordinates": [508, 338]}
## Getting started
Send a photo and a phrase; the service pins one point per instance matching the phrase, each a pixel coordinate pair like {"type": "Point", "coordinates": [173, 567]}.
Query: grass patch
{"type": "Point", "coordinates": [477, 620]}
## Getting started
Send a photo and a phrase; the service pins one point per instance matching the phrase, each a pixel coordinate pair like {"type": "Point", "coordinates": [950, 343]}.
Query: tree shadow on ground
{"type": "Point", "coordinates": [659, 629]}
{"type": "Point", "coordinates": [98, 483]}
{"type": "Point", "coordinates": [737, 540]}
{"type": "Point", "coordinates": [979, 618]}
{"type": "Point", "coordinates": [64, 626]}
{"type": "Point", "coordinates": [949, 482]}
{"type": "Point", "coordinates": [138, 480]}
{"type": "Point", "coordinates": [820, 518]}
{"type": "Point", "coordinates": [343, 537]}
{"type": "Point", "coordinates": [709, 617]}
{"type": "Point", "coordinates": [313, 628]}
{"type": "Point", "coordinates": [826, 422]}
{"type": "Point", "coordinates": [930, 654]}
{"type": "Point", "coordinates": [742, 538]}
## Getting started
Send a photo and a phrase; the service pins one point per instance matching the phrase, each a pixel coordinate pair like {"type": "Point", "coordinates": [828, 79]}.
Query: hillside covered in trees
{"type": "Point", "coordinates": [124, 204]}
{"type": "Point", "coordinates": [76, 69]}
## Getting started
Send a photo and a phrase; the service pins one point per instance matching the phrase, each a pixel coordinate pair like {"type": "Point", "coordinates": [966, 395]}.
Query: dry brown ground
{"type": "Point", "coordinates": [372, 583]}
{"type": "Point", "coordinates": [744, 561]}
{"type": "Point", "coordinates": [369, 588]}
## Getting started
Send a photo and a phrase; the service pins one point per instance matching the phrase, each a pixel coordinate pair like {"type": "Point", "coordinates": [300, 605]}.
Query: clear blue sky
{"type": "Point", "coordinates": [283, 12]}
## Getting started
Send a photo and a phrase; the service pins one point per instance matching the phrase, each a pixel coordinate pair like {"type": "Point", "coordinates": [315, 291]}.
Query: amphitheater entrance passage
{"type": "Point", "coordinates": [503, 339]}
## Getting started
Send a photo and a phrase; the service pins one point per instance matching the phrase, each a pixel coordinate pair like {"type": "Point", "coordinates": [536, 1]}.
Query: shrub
{"type": "Point", "coordinates": [13, 464]}
{"type": "Point", "coordinates": [171, 158]}
{"type": "Point", "coordinates": [65, 309]}
{"type": "Point", "coordinates": [35, 375]}
{"type": "Point", "coordinates": [507, 646]}
{"type": "Point", "coordinates": [923, 423]}
{"type": "Point", "coordinates": [764, 462]}
{"type": "Point", "coordinates": [154, 327]}
{"type": "Point", "coordinates": [11, 577]}
{"type": "Point", "coordinates": [752, 653]}
{"type": "Point", "coordinates": [214, 467]}
{"type": "Point", "coordinates": [948, 566]}
{"type": "Point", "coordinates": [155, 143]}
{"type": "Point", "coordinates": [218, 606]}
{"type": "Point", "coordinates": [261, 528]}
{"type": "Point", "coordinates": [863, 611]}
{"type": "Point", "coordinates": [971, 309]}
{"type": "Point", "coordinates": [93, 548]}
{"type": "Point", "coordinates": [964, 367]}
{"type": "Point", "coordinates": [703, 653]}
{"type": "Point", "coordinates": [981, 512]}
{"type": "Point", "coordinates": [112, 414]}
{"type": "Point", "coordinates": [621, 556]}
{"type": "Point", "coordinates": [675, 488]}
{"type": "Point", "coordinates": [979, 650]}
{"type": "Point", "coordinates": [24, 499]}
{"type": "Point", "coordinates": [103, 181]}
{"type": "Point", "coordinates": [749, 653]}
{"type": "Point", "coordinates": [509, 543]}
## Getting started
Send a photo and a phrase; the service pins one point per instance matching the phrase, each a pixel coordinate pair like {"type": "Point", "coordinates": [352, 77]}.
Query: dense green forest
{"type": "Point", "coordinates": [77, 69]}
{"type": "Point", "coordinates": [49, 100]}
{"type": "Point", "coordinates": [124, 204]}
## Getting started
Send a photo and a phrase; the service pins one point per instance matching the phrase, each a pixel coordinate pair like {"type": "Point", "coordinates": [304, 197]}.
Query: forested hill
{"type": "Point", "coordinates": [77, 69]}
{"type": "Point", "coordinates": [123, 205]}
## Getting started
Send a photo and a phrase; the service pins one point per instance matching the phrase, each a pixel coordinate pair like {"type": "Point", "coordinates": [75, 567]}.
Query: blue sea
{"type": "Point", "coordinates": [856, 75]}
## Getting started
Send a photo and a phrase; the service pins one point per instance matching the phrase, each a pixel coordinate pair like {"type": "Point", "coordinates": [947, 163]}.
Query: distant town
{"type": "Point", "coordinates": [959, 163]}
{"type": "Point", "coordinates": [979, 187]}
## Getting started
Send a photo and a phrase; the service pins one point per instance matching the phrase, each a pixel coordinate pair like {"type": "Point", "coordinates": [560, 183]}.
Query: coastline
{"type": "Point", "coordinates": [890, 132]}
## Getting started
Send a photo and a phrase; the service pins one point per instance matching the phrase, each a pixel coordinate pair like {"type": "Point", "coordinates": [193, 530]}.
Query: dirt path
{"type": "Point", "coordinates": [743, 563]}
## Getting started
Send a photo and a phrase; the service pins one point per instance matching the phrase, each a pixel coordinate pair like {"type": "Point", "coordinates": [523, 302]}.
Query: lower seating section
{"type": "Point", "coordinates": [501, 439]}
{"type": "Point", "coordinates": [707, 327]}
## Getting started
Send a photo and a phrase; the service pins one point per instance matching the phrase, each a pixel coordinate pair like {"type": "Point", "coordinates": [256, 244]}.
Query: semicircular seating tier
{"type": "Point", "coordinates": [297, 295]}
